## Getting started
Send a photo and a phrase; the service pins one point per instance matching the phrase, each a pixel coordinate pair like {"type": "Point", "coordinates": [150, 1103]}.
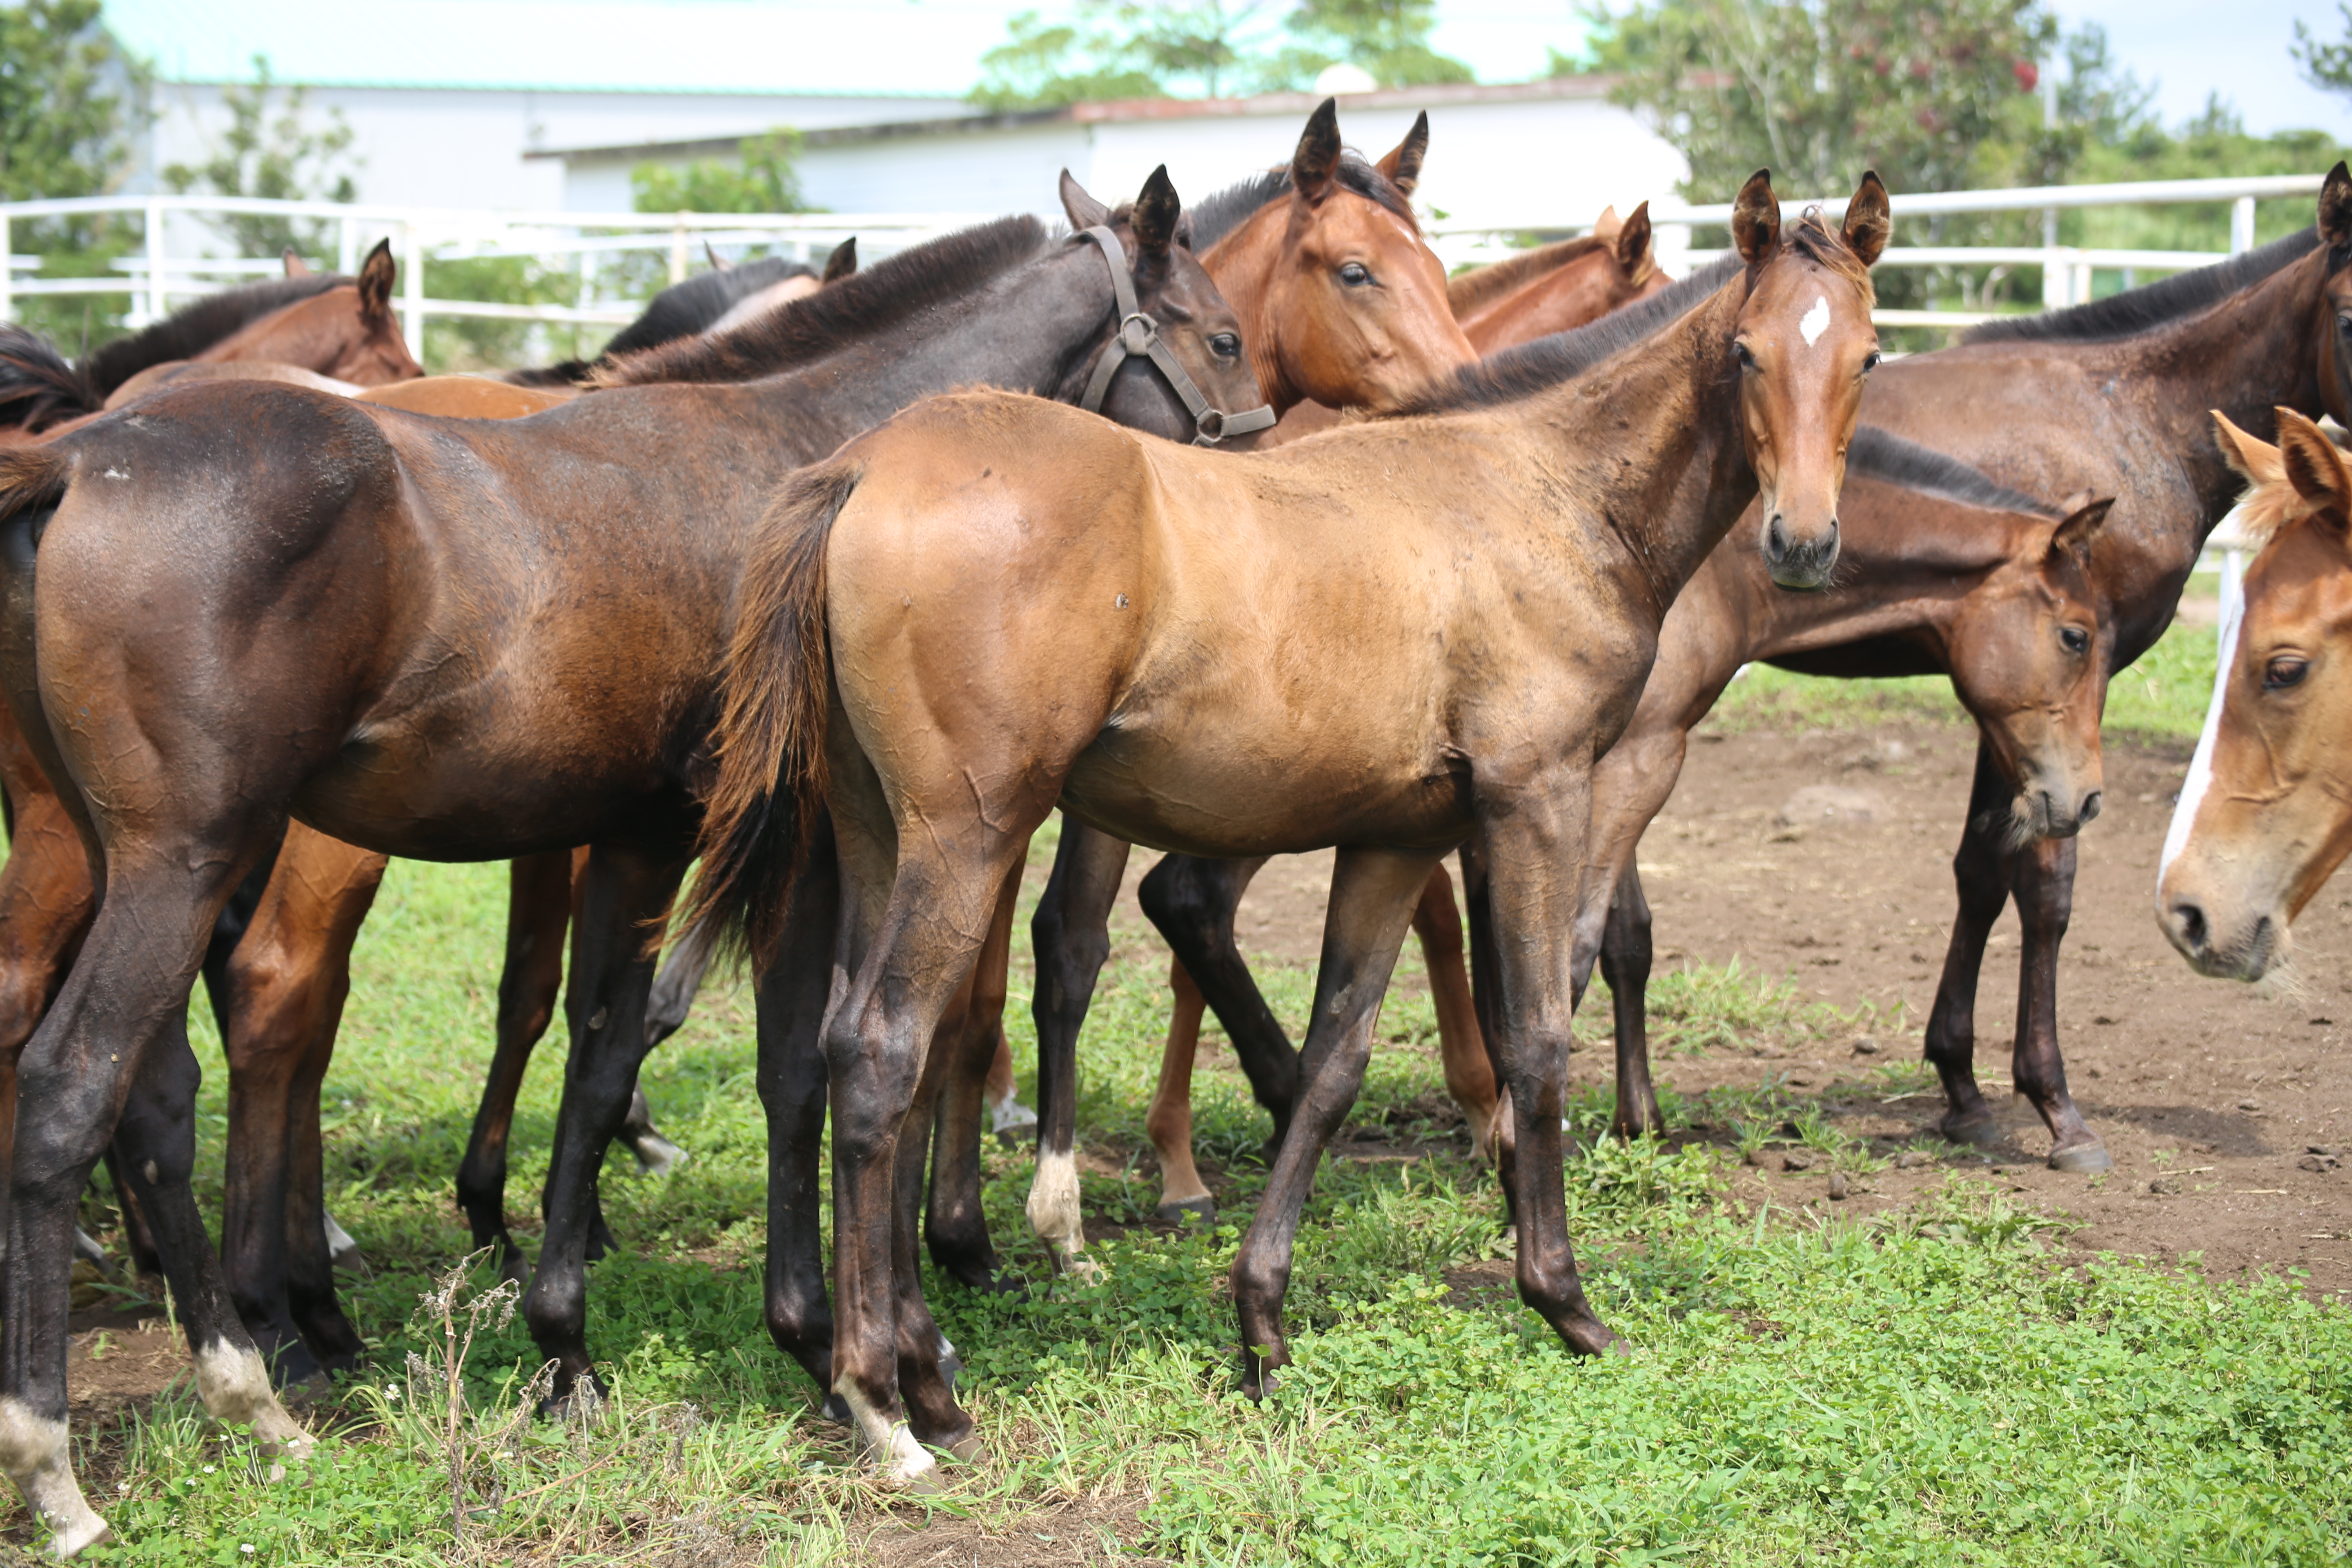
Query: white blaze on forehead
{"type": "Point", "coordinates": [1816, 321]}
{"type": "Point", "coordinates": [2200, 765]}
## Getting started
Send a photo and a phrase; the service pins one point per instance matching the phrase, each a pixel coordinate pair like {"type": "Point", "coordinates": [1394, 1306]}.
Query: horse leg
{"type": "Point", "coordinates": [285, 986]}
{"type": "Point", "coordinates": [1625, 964]}
{"type": "Point", "coordinates": [1981, 869]}
{"type": "Point", "coordinates": [955, 1228]}
{"type": "Point", "coordinates": [1373, 892]}
{"type": "Point", "coordinates": [1469, 1075]}
{"type": "Point", "coordinates": [539, 910]}
{"type": "Point", "coordinates": [1071, 935]}
{"type": "Point", "coordinates": [625, 890]}
{"type": "Point", "coordinates": [792, 998]}
{"type": "Point", "coordinates": [45, 908]}
{"type": "Point", "coordinates": [674, 987]}
{"type": "Point", "coordinates": [1192, 901]}
{"type": "Point", "coordinates": [2046, 901]}
{"type": "Point", "coordinates": [1007, 1116]}
{"type": "Point", "coordinates": [1169, 1123]}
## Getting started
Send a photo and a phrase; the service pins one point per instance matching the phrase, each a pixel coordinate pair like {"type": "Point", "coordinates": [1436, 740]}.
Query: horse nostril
{"type": "Point", "coordinates": [1776, 537]}
{"type": "Point", "coordinates": [2091, 804]}
{"type": "Point", "coordinates": [2190, 920]}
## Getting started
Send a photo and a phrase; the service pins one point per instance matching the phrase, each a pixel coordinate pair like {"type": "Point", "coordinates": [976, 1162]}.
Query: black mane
{"type": "Point", "coordinates": [1882, 455]}
{"type": "Point", "coordinates": [37, 387]}
{"type": "Point", "coordinates": [940, 272]}
{"type": "Point", "coordinates": [1226, 211]}
{"type": "Point", "coordinates": [1531, 368]}
{"type": "Point", "coordinates": [2137, 310]}
{"type": "Point", "coordinates": [195, 327]}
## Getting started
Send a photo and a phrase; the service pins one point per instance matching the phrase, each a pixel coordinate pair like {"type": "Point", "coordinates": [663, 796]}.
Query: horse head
{"type": "Point", "coordinates": [2265, 814]}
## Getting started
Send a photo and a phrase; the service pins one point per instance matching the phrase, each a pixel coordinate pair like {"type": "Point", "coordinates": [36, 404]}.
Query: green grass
{"type": "Point", "coordinates": [1937, 1385]}
{"type": "Point", "coordinates": [2161, 697]}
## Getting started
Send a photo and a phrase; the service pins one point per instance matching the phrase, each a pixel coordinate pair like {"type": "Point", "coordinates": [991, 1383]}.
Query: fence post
{"type": "Point", "coordinates": [347, 247]}
{"type": "Point", "coordinates": [2241, 226]}
{"type": "Point", "coordinates": [411, 263]}
{"type": "Point", "coordinates": [7, 272]}
{"type": "Point", "coordinates": [157, 298]}
{"type": "Point", "coordinates": [2057, 274]}
{"type": "Point", "coordinates": [677, 251]}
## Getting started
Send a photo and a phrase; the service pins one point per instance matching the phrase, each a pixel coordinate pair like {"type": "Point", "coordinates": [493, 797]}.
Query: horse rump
{"type": "Point", "coordinates": [763, 806]}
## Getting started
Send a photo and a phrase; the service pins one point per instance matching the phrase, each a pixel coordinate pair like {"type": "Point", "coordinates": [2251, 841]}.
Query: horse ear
{"type": "Point", "coordinates": [1084, 211]}
{"type": "Point", "coordinates": [843, 261]}
{"type": "Point", "coordinates": [1755, 219]}
{"type": "Point", "coordinates": [1608, 225]}
{"type": "Point", "coordinates": [1633, 245]}
{"type": "Point", "coordinates": [376, 275]}
{"type": "Point", "coordinates": [2335, 207]}
{"type": "Point", "coordinates": [2256, 462]}
{"type": "Point", "coordinates": [717, 262]}
{"type": "Point", "coordinates": [1869, 219]}
{"type": "Point", "coordinates": [2314, 467]}
{"type": "Point", "coordinates": [1313, 166]}
{"type": "Point", "coordinates": [2074, 535]}
{"type": "Point", "coordinates": [1402, 165]}
{"type": "Point", "coordinates": [1157, 212]}
{"type": "Point", "coordinates": [295, 265]}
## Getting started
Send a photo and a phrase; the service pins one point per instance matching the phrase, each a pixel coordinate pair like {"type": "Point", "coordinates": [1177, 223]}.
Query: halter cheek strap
{"type": "Point", "coordinates": [1140, 334]}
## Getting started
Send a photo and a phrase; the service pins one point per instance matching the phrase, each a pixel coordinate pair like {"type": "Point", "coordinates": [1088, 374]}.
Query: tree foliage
{"type": "Point", "coordinates": [69, 97]}
{"type": "Point", "coordinates": [765, 179]}
{"type": "Point", "coordinates": [271, 149]}
{"type": "Point", "coordinates": [1211, 48]}
{"type": "Point", "coordinates": [2325, 64]}
{"type": "Point", "coordinates": [1820, 90]}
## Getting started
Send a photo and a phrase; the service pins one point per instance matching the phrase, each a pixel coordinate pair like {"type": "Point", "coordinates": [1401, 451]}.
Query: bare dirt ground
{"type": "Point", "coordinates": [2217, 1090]}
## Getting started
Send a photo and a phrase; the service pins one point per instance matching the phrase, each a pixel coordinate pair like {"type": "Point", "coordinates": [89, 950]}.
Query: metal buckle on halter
{"type": "Point", "coordinates": [1138, 334]}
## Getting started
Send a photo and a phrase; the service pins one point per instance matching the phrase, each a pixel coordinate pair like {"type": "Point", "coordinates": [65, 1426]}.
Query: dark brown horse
{"type": "Point", "coordinates": [1395, 636]}
{"type": "Point", "coordinates": [519, 657]}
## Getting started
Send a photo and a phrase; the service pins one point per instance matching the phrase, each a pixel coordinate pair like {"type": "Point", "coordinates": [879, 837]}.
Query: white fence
{"type": "Point", "coordinates": [174, 263]}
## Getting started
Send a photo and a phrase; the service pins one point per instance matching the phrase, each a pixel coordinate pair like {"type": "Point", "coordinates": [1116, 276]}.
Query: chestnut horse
{"type": "Point", "coordinates": [1558, 286]}
{"type": "Point", "coordinates": [456, 704]}
{"type": "Point", "coordinates": [1400, 635]}
{"type": "Point", "coordinates": [2263, 821]}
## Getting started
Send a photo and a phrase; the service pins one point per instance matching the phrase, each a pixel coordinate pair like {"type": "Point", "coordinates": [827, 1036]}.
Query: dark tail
{"type": "Point", "coordinates": [772, 722]}
{"type": "Point", "coordinates": [30, 477]}
{"type": "Point", "coordinates": [37, 387]}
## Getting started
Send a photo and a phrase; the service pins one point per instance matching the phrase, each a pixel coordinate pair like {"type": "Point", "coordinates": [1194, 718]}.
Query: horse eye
{"type": "Point", "coordinates": [1870, 362]}
{"type": "Point", "coordinates": [2344, 324]}
{"type": "Point", "coordinates": [2281, 673]}
{"type": "Point", "coordinates": [1355, 275]}
{"type": "Point", "coordinates": [1740, 354]}
{"type": "Point", "coordinates": [1224, 345]}
{"type": "Point", "coordinates": [2075, 638]}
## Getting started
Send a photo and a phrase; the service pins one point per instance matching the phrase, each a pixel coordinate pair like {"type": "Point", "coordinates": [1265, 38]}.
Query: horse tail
{"type": "Point", "coordinates": [37, 387]}
{"type": "Point", "coordinates": [770, 744]}
{"type": "Point", "coordinates": [31, 478]}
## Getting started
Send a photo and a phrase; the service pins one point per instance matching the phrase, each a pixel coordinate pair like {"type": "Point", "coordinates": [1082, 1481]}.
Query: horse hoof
{"type": "Point", "coordinates": [2082, 1158]}
{"type": "Point", "coordinates": [1977, 1129]}
{"type": "Point", "coordinates": [835, 1409]}
{"type": "Point", "coordinates": [967, 1450]}
{"type": "Point", "coordinates": [1009, 1118]}
{"type": "Point", "coordinates": [515, 1267]}
{"type": "Point", "coordinates": [1204, 1209]}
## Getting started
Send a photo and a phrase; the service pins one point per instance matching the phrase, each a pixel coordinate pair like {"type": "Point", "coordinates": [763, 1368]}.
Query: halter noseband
{"type": "Point", "coordinates": [1140, 334]}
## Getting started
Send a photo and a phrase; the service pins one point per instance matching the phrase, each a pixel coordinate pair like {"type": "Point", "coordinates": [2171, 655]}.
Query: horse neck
{"type": "Point", "coordinates": [1912, 577]}
{"type": "Point", "coordinates": [1572, 296]}
{"type": "Point", "coordinates": [1667, 469]}
{"type": "Point", "coordinates": [312, 333]}
{"type": "Point", "coordinates": [1242, 266]}
{"type": "Point", "coordinates": [1030, 330]}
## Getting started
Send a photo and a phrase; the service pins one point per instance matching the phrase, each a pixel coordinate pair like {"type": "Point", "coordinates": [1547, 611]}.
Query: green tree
{"type": "Point", "coordinates": [69, 96]}
{"type": "Point", "coordinates": [1043, 66]}
{"type": "Point", "coordinates": [2327, 66]}
{"type": "Point", "coordinates": [1390, 38]}
{"type": "Point", "coordinates": [765, 179]}
{"type": "Point", "coordinates": [1820, 90]}
{"type": "Point", "coordinates": [1128, 48]}
{"type": "Point", "coordinates": [271, 151]}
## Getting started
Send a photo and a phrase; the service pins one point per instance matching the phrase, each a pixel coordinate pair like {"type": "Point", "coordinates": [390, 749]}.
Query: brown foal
{"type": "Point", "coordinates": [1402, 635]}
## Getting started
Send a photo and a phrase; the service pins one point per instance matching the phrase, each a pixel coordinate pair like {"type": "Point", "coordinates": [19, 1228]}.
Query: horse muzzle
{"type": "Point", "coordinates": [1797, 559]}
{"type": "Point", "coordinates": [2217, 944]}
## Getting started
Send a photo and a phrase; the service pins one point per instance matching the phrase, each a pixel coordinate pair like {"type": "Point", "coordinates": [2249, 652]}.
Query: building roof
{"type": "Point", "coordinates": [1267, 103]}
{"type": "Point", "coordinates": [786, 47]}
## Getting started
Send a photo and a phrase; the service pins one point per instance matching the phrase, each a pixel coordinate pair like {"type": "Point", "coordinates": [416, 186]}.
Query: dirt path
{"type": "Point", "coordinates": [2220, 1089]}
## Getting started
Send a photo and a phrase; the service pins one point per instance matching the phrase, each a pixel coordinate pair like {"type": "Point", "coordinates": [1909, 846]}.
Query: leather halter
{"type": "Point", "coordinates": [1140, 334]}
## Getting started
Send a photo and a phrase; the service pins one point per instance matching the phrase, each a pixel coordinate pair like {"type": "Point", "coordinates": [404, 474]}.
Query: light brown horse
{"type": "Point", "coordinates": [1558, 287]}
{"type": "Point", "coordinates": [1391, 638]}
{"type": "Point", "coordinates": [2265, 814]}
